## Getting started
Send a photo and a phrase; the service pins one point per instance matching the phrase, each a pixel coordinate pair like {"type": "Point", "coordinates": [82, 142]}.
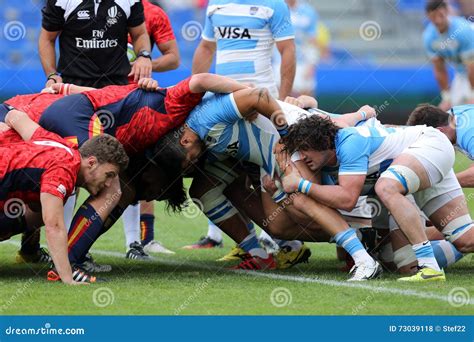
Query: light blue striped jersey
{"type": "Point", "coordinates": [245, 32]}
{"type": "Point", "coordinates": [464, 116]}
{"type": "Point", "coordinates": [305, 23]}
{"type": "Point", "coordinates": [219, 124]}
{"type": "Point", "coordinates": [369, 150]}
{"type": "Point", "coordinates": [455, 45]}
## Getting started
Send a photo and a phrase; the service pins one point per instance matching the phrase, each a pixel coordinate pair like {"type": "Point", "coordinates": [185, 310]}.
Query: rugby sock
{"type": "Point", "coordinates": [265, 236]}
{"type": "Point", "coordinates": [30, 242]}
{"type": "Point", "coordinates": [131, 224]}
{"type": "Point", "coordinates": [69, 210]}
{"type": "Point", "coordinates": [425, 255]}
{"type": "Point", "coordinates": [86, 227]}
{"type": "Point", "coordinates": [147, 231]}
{"type": "Point", "coordinates": [445, 253]}
{"type": "Point", "coordinates": [348, 240]}
{"type": "Point", "coordinates": [292, 245]}
{"type": "Point", "coordinates": [251, 227]}
{"type": "Point", "coordinates": [214, 232]}
{"type": "Point", "coordinates": [250, 245]}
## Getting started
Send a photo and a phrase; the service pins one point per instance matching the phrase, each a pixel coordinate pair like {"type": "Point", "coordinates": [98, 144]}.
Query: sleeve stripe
{"type": "Point", "coordinates": [235, 106]}
{"type": "Point", "coordinates": [284, 38]}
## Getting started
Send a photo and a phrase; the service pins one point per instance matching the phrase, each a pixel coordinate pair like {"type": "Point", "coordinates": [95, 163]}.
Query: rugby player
{"type": "Point", "coordinates": [138, 118]}
{"type": "Point", "coordinates": [217, 121]}
{"type": "Point", "coordinates": [41, 172]}
{"type": "Point", "coordinates": [450, 39]}
{"type": "Point", "coordinates": [398, 156]}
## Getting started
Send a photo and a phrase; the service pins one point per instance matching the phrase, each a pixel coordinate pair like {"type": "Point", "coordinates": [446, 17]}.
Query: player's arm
{"type": "Point", "coordinates": [47, 53]}
{"type": "Point", "coordinates": [21, 123]}
{"type": "Point", "coordinates": [52, 24]}
{"type": "Point", "coordinates": [466, 177]}
{"type": "Point", "coordinates": [442, 77]}
{"type": "Point", "coordinates": [141, 42]}
{"type": "Point", "coordinates": [287, 50]}
{"type": "Point", "coordinates": [302, 101]}
{"type": "Point", "coordinates": [351, 119]}
{"type": "Point", "coordinates": [206, 49]}
{"type": "Point", "coordinates": [203, 56]}
{"type": "Point", "coordinates": [169, 59]}
{"type": "Point", "coordinates": [470, 75]}
{"type": "Point", "coordinates": [253, 101]}
{"type": "Point", "coordinates": [56, 234]}
{"type": "Point", "coordinates": [343, 196]}
{"type": "Point", "coordinates": [201, 83]}
{"type": "Point", "coordinates": [66, 89]}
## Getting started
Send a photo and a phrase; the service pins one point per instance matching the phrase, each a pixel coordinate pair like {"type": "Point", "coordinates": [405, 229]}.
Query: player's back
{"type": "Point", "coordinates": [46, 163]}
{"type": "Point", "coordinates": [245, 33]}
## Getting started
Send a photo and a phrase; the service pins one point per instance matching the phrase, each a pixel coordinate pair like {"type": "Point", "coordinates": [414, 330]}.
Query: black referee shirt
{"type": "Point", "coordinates": [93, 38]}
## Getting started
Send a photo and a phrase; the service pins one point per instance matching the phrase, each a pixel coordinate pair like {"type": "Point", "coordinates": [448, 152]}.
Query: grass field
{"type": "Point", "coordinates": [193, 283]}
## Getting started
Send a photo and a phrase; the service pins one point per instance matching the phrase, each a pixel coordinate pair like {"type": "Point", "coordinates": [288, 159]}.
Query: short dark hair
{"type": "Point", "coordinates": [311, 133]}
{"type": "Point", "coordinates": [433, 5]}
{"type": "Point", "coordinates": [106, 149]}
{"type": "Point", "coordinates": [428, 115]}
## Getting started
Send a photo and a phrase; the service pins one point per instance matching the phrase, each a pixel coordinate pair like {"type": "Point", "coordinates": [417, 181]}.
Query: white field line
{"type": "Point", "coordinates": [299, 279]}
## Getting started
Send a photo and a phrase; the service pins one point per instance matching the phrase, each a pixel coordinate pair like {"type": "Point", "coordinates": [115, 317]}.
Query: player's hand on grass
{"type": "Point", "coordinates": [148, 84]}
{"type": "Point", "coordinates": [141, 68]}
{"type": "Point", "coordinates": [370, 112]}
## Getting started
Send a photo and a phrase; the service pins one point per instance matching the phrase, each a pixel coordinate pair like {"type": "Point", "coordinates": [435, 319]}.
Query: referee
{"type": "Point", "coordinates": [93, 42]}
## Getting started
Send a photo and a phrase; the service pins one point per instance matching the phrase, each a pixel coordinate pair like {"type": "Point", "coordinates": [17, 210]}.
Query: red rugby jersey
{"type": "Point", "coordinates": [46, 163]}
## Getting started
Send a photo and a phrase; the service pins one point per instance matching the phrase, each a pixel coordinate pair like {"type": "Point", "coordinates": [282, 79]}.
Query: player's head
{"type": "Point", "coordinates": [103, 158]}
{"type": "Point", "coordinates": [191, 143]}
{"type": "Point", "coordinates": [314, 138]}
{"type": "Point", "coordinates": [291, 3]}
{"type": "Point", "coordinates": [437, 12]}
{"type": "Point", "coordinates": [433, 116]}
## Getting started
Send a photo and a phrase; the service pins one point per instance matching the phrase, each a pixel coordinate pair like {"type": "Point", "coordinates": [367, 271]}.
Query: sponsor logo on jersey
{"type": "Point", "coordinates": [112, 14]}
{"type": "Point", "coordinates": [83, 15]}
{"type": "Point", "coordinates": [62, 189]}
{"type": "Point", "coordinates": [233, 33]}
{"type": "Point", "coordinates": [96, 43]}
{"type": "Point", "coordinates": [253, 10]}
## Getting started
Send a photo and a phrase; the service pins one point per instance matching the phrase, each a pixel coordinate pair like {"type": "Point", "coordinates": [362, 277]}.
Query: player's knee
{"type": "Point", "coordinates": [465, 243]}
{"type": "Point", "coordinates": [460, 233]}
{"type": "Point", "coordinates": [397, 179]}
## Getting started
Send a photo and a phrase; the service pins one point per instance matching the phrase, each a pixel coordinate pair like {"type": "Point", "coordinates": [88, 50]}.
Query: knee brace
{"type": "Point", "coordinates": [216, 206]}
{"type": "Point", "coordinates": [404, 256]}
{"type": "Point", "coordinates": [457, 228]}
{"type": "Point", "coordinates": [405, 176]}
